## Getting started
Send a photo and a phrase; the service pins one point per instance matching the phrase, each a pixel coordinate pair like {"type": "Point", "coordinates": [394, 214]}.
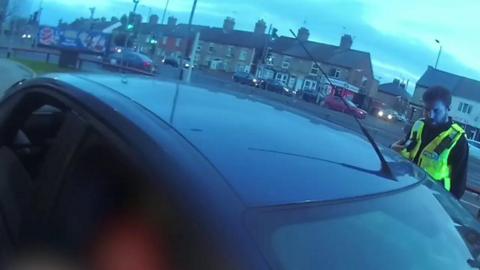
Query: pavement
{"type": "Point", "coordinates": [12, 72]}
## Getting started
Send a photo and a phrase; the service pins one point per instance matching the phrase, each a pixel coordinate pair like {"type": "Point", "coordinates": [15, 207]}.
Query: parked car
{"type": "Point", "coordinates": [277, 87]}
{"type": "Point", "coordinates": [171, 62]}
{"type": "Point", "coordinates": [310, 96]}
{"type": "Point", "coordinates": [245, 78]}
{"type": "Point", "coordinates": [336, 103]}
{"type": "Point", "coordinates": [132, 60]}
{"type": "Point", "coordinates": [96, 168]}
{"type": "Point", "coordinates": [474, 149]}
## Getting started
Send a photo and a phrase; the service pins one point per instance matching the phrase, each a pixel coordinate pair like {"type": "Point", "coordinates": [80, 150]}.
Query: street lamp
{"type": "Point", "coordinates": [135, 2]}
{"type": "Point", "coordinates": [439, 52]}
{"type": "Point", "coordinates": [165, 11]}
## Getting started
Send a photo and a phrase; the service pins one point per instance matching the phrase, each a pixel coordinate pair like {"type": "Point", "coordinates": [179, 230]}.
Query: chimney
{"type": "Point", "coordinates": [172, 21]}
{"type": "Point", "coordinates": [260, 27]}
{"type": "Point", "coordinates": [346, 42]}
{"type": "Point", "coordinates": [303, 34]}
{"type": "Point", "coordinates": [228, 24]}
{"type": "Point", "coordinates": [153, 19]}
{"type": "Point", "coordinates": [396, 82]}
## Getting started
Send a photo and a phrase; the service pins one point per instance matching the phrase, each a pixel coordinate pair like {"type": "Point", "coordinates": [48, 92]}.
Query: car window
{"type": "Point", "coordinates": [38, 136]}
{"type": "Point", "coordinates": [474, 143]}
{"type": "Point", "coordinates": [144, 57]}
{"type": "Point", "coordinates": [350, 103]}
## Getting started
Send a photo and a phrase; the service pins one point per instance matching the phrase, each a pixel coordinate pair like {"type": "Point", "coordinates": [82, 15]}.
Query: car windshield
{"type": "Point", "coordinates": [350, 103]}
{"type": "Point", "coordinates": [406, 230]}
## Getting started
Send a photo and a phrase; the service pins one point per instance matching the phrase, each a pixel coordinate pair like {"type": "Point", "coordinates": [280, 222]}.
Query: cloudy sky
{"type": "Point", "coordinates": [399, 34]}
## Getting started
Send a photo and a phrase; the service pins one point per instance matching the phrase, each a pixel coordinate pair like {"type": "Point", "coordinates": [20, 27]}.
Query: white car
{"type": "Point", "coordinates": [474, 149]}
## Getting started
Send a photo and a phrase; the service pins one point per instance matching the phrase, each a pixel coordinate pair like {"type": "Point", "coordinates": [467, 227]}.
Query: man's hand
{"type": "Point", "coordinates": [398, 146]}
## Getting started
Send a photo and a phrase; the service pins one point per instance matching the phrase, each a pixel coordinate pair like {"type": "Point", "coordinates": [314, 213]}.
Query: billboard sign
{"type": "Point", "coordinates": [82, 41]}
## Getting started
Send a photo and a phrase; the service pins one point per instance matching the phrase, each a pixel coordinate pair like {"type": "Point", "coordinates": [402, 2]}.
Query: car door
{"type": "Point", "coordinates": [38, 136]}
{"type": "Point", "coordinates": [68, 185]}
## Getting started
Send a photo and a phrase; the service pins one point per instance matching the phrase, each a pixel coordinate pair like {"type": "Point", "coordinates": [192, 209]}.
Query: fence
{"type": "Point", "coordinates": [52, 56]}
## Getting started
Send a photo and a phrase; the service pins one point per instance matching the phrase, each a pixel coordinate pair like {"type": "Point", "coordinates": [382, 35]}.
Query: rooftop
{"type": "Point", "coordinates": [394, 88]}
{"type": "Point", "coordinates": [325, 53]}
{"type": "Point", "coordinates": [459, 86]}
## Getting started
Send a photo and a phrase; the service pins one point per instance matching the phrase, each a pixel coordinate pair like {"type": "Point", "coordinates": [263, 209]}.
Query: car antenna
{"type": "Point", "coordinates": [385, 169]}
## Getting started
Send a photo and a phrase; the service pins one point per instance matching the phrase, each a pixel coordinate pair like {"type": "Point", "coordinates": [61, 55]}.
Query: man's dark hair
{"type": "Point", "coordinates": [436, 93]}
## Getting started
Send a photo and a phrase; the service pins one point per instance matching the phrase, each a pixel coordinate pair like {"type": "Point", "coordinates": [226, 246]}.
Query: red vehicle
{"type": "Point", "coordinates": [335, 103]}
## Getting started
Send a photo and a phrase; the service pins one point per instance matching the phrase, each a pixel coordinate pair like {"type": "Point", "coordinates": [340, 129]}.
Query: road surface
{"type": "Point", "coordinates": [12, 72]}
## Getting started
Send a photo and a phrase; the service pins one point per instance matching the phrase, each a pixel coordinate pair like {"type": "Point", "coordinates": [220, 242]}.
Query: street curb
{"type": "Point", "coordinates": [25, 68]}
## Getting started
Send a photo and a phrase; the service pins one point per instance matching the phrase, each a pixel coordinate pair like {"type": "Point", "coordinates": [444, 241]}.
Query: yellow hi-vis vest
{"type": "Point", "coordinates": [434, 156]}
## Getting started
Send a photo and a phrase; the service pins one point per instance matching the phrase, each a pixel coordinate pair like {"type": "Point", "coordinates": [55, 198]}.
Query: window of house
{"type": "Point", "coordinates": [282, 77]}
{"type": "Point", "coordinates": [286, 62]}
{"type": "Point", "coordinates": [211, 49]}
{"type": "Point", "coordinates": [177, 42]}
{"type": "Point", "coordinates": [334, 72]}
{"type": "Point", "coordinates": [164, 40]}
{"type": "Point", "coordinates": [199, 47]}
{"type": "Point", "coordinates": [243, 55]}
{"type": "Point", "coordinates": [309, 85]}
{"type": "Point", "coordinates": [465, 108]}
{"type": "Point", "coordinates": [315, 70]}
{"type": "Point", "coordinates": [230, 51]}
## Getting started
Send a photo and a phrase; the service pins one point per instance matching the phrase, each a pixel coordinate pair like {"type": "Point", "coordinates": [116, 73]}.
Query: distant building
{"type": "Point", "coordinates": [228, 49]}
{"type": "Point", "coordinates": [224, 49]}
{"type": "Point", "coordinates": [465, 108]}
{"type": "Point", "coordinates": [349, 70]}
{"type": "Point", "coordinates": [394, 95]}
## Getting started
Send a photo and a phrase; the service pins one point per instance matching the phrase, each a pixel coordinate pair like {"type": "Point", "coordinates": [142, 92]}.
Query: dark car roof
{"type": "Point", "coordinates": [267, 152]}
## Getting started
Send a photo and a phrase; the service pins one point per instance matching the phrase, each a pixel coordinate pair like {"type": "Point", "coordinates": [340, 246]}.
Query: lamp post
{"type": "Point", "coordinates": [187, 38]}
{"type": "Point", "coordinates": [135, 3]}
{"type": "Point", "coordinates": [165, 11]}
{"type": "Point", "coordinates": [439, 52]}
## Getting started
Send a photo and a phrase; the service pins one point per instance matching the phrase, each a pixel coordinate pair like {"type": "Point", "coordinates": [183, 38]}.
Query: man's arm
{"type": "Point", "coordinates": [399, 145]}
{"type": "Point", "coordinates": [458, 161]}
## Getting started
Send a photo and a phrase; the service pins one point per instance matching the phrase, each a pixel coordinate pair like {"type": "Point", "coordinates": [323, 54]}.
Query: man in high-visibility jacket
{"type": "Point", "coordinates": [437, 144]}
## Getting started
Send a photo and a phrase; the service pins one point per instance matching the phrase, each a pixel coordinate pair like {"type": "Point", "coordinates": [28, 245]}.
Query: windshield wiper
{"type": "Point", "coordinates": [385, 169]}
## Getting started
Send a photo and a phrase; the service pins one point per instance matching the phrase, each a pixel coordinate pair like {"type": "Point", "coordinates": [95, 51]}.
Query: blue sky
{"type": "Point", "coordinates": [399, 34]}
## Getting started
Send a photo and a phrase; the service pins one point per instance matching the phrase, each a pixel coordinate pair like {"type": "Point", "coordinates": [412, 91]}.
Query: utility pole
{"type": "Point", "coordinates": [92, 12]}
{"type": "Point", "coordinates": [439, 52]}
{"type": "Point", "coordinates": [187, 37]}
{"type": "Point", "coordinates": [165, 11]}
{"type": "Point", "coordinates": [192, 57]}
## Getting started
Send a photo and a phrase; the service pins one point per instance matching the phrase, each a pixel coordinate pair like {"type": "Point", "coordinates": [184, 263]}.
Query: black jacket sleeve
{"type": "Point", "coordinates": [458, 161]}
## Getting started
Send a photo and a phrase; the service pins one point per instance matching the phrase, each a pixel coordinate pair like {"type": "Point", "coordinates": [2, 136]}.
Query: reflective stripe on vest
{"type": "Point", "coordinates": [415, 140]}
{"type": "Point", "coordinates": [434, 157]}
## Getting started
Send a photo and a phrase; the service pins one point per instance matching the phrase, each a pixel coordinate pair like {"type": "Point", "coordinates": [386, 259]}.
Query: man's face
{"type": "Point", "coordinates": [436, 113]}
